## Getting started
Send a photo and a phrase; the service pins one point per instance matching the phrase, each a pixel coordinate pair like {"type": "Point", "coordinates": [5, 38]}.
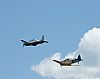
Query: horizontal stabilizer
{"type": "Point", "coordinates": [46, 41]}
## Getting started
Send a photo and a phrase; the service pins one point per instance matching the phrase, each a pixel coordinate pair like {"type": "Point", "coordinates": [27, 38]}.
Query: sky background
{"type": "Point", "coordinates": [63, 23]}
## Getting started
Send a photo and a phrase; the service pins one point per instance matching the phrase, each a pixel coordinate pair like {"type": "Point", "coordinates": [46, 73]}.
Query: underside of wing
{"type": "Point", "coordinates": [75, 65]}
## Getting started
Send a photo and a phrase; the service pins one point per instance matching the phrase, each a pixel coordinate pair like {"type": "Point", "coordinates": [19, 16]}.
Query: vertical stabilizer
{"type": "Point", "coordinates": [79, 58]}
{"type": "Point", "coordinates": [42, 38]}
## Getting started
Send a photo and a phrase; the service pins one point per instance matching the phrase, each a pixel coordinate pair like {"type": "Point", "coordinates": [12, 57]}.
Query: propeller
{"type": "Point", "coordinates": [23, 44]}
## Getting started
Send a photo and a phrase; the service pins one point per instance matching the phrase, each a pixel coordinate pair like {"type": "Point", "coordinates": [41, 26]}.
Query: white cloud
{"type": "Point", "coordinates": [89, 48]}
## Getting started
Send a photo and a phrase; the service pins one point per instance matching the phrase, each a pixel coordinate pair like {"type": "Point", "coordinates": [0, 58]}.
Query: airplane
{"type": "Point", "coordinates": [34, 42]}
{"type": "Point", "coordinates": [69, 61]}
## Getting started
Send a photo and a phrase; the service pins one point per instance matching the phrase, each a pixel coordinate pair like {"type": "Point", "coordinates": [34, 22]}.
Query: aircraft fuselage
{"type": "Point", "coordinates": [69, 62]}
{"type": "Point", "coordinates": [34, 43]}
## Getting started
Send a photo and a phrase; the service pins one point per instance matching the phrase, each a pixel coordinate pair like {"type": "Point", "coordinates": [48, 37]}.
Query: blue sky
{"type": "Point", "coordinates": [63, 23]}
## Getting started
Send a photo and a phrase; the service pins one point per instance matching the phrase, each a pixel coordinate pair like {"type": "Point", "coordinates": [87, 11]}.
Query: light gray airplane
{"type": "Point", "coordinates": [34, 42]}
{"type": "Point", "coordinates": [69, 61]}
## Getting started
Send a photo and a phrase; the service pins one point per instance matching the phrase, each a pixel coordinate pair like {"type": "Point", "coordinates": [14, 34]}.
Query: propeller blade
{"type": "Point", "coordinates": [23, 45]}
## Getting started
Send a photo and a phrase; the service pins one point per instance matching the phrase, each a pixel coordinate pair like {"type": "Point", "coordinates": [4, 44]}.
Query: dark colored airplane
{"type": "Point", "coordinates": [34, 42]}
{"type": "Point", "coordinates": [69, 61]}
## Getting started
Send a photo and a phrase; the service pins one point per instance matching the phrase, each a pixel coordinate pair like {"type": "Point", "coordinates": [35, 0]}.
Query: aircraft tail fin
{"type": "Point", "coordinates": [42, 38]}
{"type": "Point", "coordinates": [79, 58]}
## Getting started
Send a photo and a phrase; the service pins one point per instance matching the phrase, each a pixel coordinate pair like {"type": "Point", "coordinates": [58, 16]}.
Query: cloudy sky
{"type": "Point", "coordinates": [89, 48]}
{"type": "Point", "coordinates": [71, 28]}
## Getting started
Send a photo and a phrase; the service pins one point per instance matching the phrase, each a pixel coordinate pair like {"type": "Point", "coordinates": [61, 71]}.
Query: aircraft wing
{"type": "Point", "coordinates": [32, 40]}
{"type": "Point", "coordinates": [24, 41]}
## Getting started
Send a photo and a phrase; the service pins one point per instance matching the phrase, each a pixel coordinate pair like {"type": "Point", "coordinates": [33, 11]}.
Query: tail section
{"type": "Point", "coordinates": [46, 41]}
{"type": "Point", "coordinates": [79, 58]}
{"type": "Point", "coordinates": [42, 38]}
